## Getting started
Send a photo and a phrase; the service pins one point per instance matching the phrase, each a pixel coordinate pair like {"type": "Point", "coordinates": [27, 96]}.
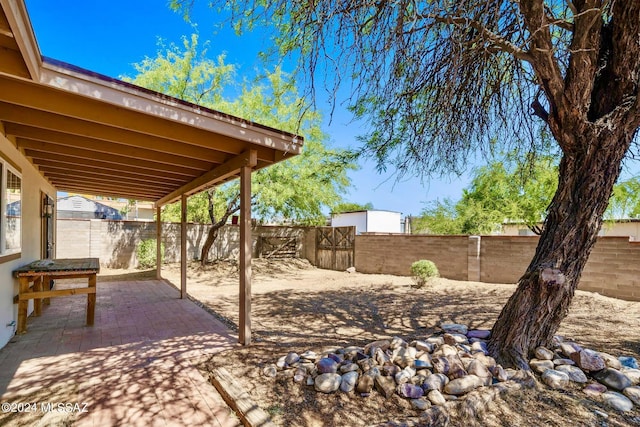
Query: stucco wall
{"type": "Point", "coordinates": [115, 242]}
{"type": "Point", "coordinates": [32, 184]}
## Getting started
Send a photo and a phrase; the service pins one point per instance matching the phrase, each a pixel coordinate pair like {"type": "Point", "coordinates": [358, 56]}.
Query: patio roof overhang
{"type": "Point", "coordinates": [92, 134]}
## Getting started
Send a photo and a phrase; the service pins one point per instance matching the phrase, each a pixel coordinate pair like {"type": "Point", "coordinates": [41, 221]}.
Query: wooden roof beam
{"type": "Point", "coordinates": [93, 179]}
{"type": "Point", "coordinates": [129, 194]}
{"type": "Point", "coordinates": [221, 173]}
{"type": "Point", "coordinates": [98, 173]}
{"type": "Point", "coordinates": [114, 188]}
{"type": "Point", "coordinates": [70, 104]}
{"type": "Point", "coordinates": [59, 138]}
{"type": "Point", "coordinates": [123, 163]}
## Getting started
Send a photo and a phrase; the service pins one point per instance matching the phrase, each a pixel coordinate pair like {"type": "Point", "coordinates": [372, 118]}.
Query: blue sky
{"type": "Point", "coordinates": [109, 36]}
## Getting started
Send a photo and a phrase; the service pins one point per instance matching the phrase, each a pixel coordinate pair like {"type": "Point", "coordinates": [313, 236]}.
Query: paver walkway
{"type": "Point", "coordinates": [135, 367]}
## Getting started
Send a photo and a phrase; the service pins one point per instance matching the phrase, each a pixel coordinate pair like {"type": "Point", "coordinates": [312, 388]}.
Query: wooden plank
{"type": "Point", "coordinates": [244, 333]}
{"type": "Point", "coordinates": [229, 168]}
{"type": "Point", "coordinates": [239, 400]}
{"type": "Point", "coordinates": [70, 275]}
{"type": "Point", "coordinates": [159, 243]}
{"type": "Point", "coordinates": [23, 305]}
{"type": "Point", "coordinates": [183, 246]}
{"type": "Point", "coordinates": [37, 302]}
{"type": "Point", "coordinates": [62, 266]}
{"type": "Point", "coordinates": [91, 300]}
{"type": "Point", "coordinates": [55, 293]}
{"type": "Point", "coordinates": [46, 283]}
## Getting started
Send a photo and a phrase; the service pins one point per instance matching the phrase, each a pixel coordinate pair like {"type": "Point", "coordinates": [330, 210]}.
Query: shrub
{"type": "Point", "coordinates": [146, 253]}
{"type": "Point", "coordinates": [422, 271]}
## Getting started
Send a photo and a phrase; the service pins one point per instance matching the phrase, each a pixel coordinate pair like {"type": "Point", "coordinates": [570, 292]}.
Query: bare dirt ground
{"type": "Point", "coordinates": [297, 307]}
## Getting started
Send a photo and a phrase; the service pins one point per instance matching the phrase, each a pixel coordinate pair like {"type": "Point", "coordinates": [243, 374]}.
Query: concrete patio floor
{"type": "Point", "coordinates": [135, 367]}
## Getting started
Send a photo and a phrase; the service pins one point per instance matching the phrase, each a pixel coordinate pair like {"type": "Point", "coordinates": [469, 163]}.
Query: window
{"type": "Point", "coordinates": [11, 202]}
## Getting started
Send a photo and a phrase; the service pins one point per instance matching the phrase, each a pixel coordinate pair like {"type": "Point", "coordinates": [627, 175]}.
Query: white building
{"type": "Point", "coordinates": [373, 221]}
{"type": "Point", "coordinates": [618, 228]}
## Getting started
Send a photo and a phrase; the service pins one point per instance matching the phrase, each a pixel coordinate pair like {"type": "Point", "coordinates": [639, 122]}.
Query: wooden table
{"type": "Point", "coordinates": [42, 271]}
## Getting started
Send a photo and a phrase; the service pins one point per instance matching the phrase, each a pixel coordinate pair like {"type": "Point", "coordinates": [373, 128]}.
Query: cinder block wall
{"type": "Point", "coordinates": [503, 259]}
{"type": "Point", "coordinates": [394, 254]}
{"type": "Point", "coordinates": [613, 269]}
{"type": "Point", "coordinates": [115, 242]}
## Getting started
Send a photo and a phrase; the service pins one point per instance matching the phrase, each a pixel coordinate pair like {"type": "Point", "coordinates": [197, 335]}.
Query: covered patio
{"type": "Point", "coordinates": [135, 367]}
{"type": "Point", "coordinates": [91, 134]}
{"type": "Point", "coordinates": [69, 129]}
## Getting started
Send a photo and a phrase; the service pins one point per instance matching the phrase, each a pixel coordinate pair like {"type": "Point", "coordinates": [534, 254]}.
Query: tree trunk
{"type": "Point", "coordinates": [208, 243]}
{"type": "Point", "coordinates": [541, 301]}
{"type": "Point", "coordinates": [232, 207]}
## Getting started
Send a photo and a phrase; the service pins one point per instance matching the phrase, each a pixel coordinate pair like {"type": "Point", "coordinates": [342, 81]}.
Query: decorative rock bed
{"type": "Point", "coordinates": [454, 362]}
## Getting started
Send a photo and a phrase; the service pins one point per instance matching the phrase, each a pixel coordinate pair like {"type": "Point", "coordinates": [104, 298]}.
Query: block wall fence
{"type": "Point", "coordinates": [613, 268]}
{"type": "Point", "coordinates": [115, 242]}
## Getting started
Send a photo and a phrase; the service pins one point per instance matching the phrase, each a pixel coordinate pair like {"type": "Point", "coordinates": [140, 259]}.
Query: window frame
{"type": "Point", "coordinates": [9, 254]}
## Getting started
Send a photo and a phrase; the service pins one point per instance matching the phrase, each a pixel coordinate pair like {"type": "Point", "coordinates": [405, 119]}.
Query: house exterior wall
{"type": "Point", "coordinates": [31, 248]}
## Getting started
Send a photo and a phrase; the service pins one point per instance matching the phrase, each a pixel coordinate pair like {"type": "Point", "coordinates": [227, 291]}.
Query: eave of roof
{"type": "Point", "coordinates": [90, 133]}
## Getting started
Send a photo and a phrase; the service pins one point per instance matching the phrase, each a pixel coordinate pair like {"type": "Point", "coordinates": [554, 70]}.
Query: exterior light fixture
{"type": "Point", "coordinates": [47, 207]}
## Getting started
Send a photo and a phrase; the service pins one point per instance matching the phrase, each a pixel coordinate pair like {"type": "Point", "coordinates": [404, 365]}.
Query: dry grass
{"type": "Point", "coordinates": [297, 307]}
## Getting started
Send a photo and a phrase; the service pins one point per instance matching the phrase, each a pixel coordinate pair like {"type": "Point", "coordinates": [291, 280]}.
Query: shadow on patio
{"type": "Point", "coordinates": [136, 366]}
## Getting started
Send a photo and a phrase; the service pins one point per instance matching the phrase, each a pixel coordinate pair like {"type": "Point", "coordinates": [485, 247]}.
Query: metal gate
{"type": "Point", "coordinates": [335, 247]}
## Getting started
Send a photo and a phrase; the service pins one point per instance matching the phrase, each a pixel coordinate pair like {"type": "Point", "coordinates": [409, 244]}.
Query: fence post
{"type": "Point", "coordinates": [473, 259]}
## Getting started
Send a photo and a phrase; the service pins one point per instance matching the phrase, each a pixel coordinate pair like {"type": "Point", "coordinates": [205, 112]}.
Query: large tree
{"type": "Point", "coordinates": [503, 190]}
{"type": "Point", "coordinates": [298, 190]}
{"type": "Point", "coordinates": [439, 79]}
{"type": "Point", "coordinates": [512, 190]}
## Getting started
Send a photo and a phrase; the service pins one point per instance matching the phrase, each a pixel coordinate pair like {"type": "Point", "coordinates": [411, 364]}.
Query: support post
{"type": "Point", "coordinates": [244, 334]}
{"type": "Point", "coordinates": [183, 246]}
{"type": "Point", "coordinates": [37, 302]}
{"type": "Point", "coordinates": [158, 243]}
{"type": "Point", "coordinates": [23, 305]}
{"type": "Point", "coordinates": [91, 300]}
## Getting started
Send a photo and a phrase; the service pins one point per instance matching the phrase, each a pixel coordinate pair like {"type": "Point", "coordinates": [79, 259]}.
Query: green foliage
{"type": "Point", "coordinates": [351, 207]}
{"type": "Point", "coordinates": [513, 191]}
{"type": "Point", "coordinates": [429, 88]}
{"type": "Point", "coordinates": [186, 73]}
{"type": "Point", "coordinates": [422, 271]}
{"type": "Point", "coordinates": [299, 189]}
{"type": "Point", "coordinates": [146, 253]}
{"type": "Point", "coordinates": [625, 200]}
{"type": "Point", "coordinates": [499, 192]}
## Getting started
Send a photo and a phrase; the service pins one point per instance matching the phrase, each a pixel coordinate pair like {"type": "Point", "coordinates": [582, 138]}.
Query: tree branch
{"type": "Point", "coordinates": [562, 23]}
{"type": "Point", "coordinates": [547, 70]}
{"type": "Point", "coordinates": [539, 110]}
{"type": "Point", "coordinates": [496, 40]}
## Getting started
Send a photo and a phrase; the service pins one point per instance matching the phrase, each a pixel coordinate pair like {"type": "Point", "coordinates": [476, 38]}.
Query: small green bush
{"type": "Point", "coordinates": [422, 271]}
{"type": "Point", "coordinates": [146, 253]}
